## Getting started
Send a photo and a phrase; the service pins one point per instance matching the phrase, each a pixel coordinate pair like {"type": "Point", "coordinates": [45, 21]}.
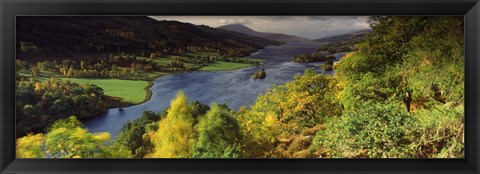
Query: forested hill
{"type": "Point", "coordinates": [348, 37]}
{"type": "Point", "coordinates": [63, 36]}
{"type": "Point", "coordinates": [271, 36]}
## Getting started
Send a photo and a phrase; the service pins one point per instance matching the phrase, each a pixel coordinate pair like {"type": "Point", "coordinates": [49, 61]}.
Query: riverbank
{"type": "Point", "coordinates": [233, 87]}
{"type": "Point", "coordinates": [129, 92]}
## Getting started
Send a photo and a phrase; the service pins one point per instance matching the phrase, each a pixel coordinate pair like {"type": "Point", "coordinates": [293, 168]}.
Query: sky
{"type": "Point", "coordinates": [312, 27]}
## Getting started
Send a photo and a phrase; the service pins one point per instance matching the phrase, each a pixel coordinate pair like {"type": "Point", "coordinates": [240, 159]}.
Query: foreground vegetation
{"type": "Point", "coordinates": [377, 105]}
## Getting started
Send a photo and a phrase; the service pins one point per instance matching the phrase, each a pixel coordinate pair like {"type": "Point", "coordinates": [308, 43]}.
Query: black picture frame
{"type": "Point", "coordinates": [9, 9]}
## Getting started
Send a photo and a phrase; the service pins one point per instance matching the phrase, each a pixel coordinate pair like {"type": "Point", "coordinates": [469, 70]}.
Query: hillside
{"type": "Point", "coordinates": [63, 36]}
{"type": "Point", "coordinates": [333, 44]}
{"type": "Point", "coordinates": [352, 36]}
{"type": "Point", "coordinates": [270, 36]}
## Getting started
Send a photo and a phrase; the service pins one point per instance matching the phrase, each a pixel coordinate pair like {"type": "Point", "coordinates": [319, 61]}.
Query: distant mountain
{"type": "Point", "coordinates": [352, 36]}
{"type": "Point", "coordinates": [41, 37]}
{"type": "Point", "coordinates": [271, 36]}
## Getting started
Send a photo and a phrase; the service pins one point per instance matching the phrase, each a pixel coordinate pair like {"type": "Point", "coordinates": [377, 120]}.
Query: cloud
{"type": "Point", "coordinates": [304, 26]}
{"type": "Point", "coordinates": [306, 18]}
{"type": "Point", "coordinates": [241, 20]}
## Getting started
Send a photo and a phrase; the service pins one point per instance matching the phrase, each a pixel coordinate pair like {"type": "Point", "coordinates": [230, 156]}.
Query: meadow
{"type": "Point", "coordinates": [131, 91]}
{"type": "Point", "coordinates": [221, 66]}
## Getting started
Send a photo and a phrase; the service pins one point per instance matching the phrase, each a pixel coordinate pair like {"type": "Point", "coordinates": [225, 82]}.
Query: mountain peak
{"type": "Point", "coordinates": [235, 25]}
{"type": "Point", "coordinates": [240, 28]}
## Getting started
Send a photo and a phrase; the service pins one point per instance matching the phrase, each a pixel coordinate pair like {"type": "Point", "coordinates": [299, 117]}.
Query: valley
{"type": "Point", "coordinates": [150, 87]}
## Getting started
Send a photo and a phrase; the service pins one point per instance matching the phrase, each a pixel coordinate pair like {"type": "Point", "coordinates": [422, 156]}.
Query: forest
{"type": "Point", "coordinates": [378, 104]}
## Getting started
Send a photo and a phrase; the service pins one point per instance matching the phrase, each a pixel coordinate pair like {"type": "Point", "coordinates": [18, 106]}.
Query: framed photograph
{"type": "Point", "coordinates": [239, 87]}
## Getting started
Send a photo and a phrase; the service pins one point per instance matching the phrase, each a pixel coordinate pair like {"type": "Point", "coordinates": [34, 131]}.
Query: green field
{"type": "Point", "coordinates": [202, 54]}
{"type": "Point", "coordinates": [221, 66]}
{"type": "Point", "coordinates": [247, 58]}
{"type": "Point", "coordinates": [165, 61]}
{"type": "Point", "coordinates": [135, 91]}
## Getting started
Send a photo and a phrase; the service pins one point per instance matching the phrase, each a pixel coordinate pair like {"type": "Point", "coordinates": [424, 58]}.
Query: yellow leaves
{"type": "Point", "coordinates": [256, 129]}
{"type": "Point", "coordinates": [38, 86]}
{"type": "Point", "coordinates": [54, 86]}
{"type": "Point", "coordinates": [271, 119]}
{"type": "Point", "coordinates": [66, 139]}
{"type": "Point", "coordinates": [179, 105]}
{"type": "Point", "coordinates": [349, 55]}
{"type": "Point", "coordinates": [102, 136]}
{"type": "Point", "coordinates": [174, 137]}
{"type": "Point", "coordinates": [30, 146]}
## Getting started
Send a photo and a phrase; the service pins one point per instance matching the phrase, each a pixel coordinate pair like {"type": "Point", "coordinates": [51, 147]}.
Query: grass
{"type": "Point", "coordinates": [221, 66]}
{"type": "Point", "coordinates": [134, 91]}
{"type": "Point", "coordinates": [218, 66]}
{"type": "Point", "coordinates": [165, 61]}
{"type": "Point", "coordinates": [247, 58]}
{"type": "Point", "coordinates": [131, 91]}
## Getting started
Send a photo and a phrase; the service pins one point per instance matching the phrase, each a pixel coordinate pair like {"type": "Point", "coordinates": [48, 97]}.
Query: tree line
{"type": "Point", "coordinates": [38, 104]}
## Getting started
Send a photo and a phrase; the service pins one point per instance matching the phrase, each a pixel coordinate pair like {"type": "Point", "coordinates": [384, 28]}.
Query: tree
{"type": "Point", "coordinates": [70, 72]}
{"type": "Point", "coordinates": [54, 99]}
{"type": "Point", "coordinates": [259, 74]}
{"type": "Point", "coordinates": [68, 139]}
{"type": "Point", "coordinates": [174, 137]}
{"type": "Point", "coordinates": [82, 65]}
{"type": "Point", "coordinates": [133, 135]}
{"type": "Point", "coordinates": [218, 135]}
{"type": "Point", "coordinates": [199, 109]}
{"type": "Point", "coordinates": [35, 72]}
{"type": "Point", "coordinates": [153, 55]}
{"type": "Point", "coordinates": [302, 103]}
{"type": "Point", "coordinates": [30, 146]}
{"type": "Point", "coordinates": [258, 136]}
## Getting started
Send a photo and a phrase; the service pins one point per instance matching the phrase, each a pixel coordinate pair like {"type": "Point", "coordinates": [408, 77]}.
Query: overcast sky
{"type": "Point", "coordinates": [312, 27]}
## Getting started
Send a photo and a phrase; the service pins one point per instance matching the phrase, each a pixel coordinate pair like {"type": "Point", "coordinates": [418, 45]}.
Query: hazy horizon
{"type": "Point", "coordinates": [311, 27]}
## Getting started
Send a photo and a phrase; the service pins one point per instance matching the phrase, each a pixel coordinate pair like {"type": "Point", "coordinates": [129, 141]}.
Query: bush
{"type": "Point", "coordinates": [327, 67]}
{"type": "Point", "coordinates": [439, 132]}
{"type": "Point", "coordinates": [302, 103]}
{"type": "Point", "coordinates": [376, 130]}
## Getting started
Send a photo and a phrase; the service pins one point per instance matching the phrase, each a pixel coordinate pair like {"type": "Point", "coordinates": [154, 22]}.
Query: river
{"type": "Point", "coordinates": [234, 87]}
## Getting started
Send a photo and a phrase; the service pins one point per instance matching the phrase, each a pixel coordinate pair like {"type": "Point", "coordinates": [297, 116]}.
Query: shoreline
{"type": "Point", "coordinates": [150, 80]}
{"type": "Point", "coordinates": [151, 83]}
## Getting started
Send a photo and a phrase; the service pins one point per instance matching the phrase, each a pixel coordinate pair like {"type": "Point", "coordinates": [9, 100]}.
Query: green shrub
{"type": "Point", "coordinates": [375, 130]}
{"type": "Point", "coordinates": [218, 134]}
{"type": "Point", "coordinates": [439, 132]}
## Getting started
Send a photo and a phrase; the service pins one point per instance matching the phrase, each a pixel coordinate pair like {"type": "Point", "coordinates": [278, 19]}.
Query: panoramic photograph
{"type": "Point", "coordinates": [250, 87]}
